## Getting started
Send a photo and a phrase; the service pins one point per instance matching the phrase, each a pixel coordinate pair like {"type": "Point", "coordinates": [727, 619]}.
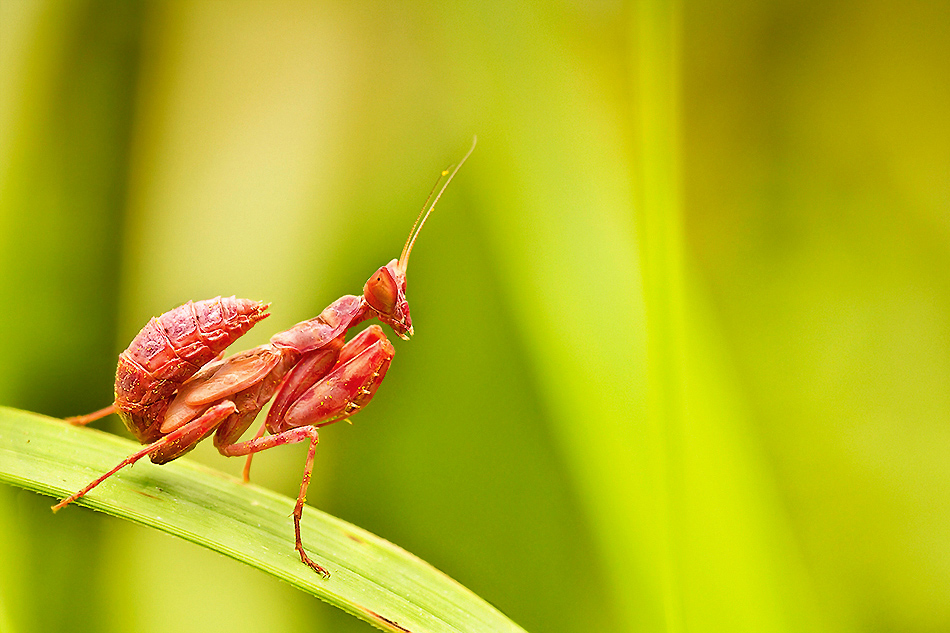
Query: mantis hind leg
{"type": "Point", "coordinates": [181, 437]}
{"type": "Point", "coordinates": [83, 420]}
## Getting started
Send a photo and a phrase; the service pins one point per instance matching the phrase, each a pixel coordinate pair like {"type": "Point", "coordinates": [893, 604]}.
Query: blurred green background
{"type": "Point", "coordinates": [682, 352]}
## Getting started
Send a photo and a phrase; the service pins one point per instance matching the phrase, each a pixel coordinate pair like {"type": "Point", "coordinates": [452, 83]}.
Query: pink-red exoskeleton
{"type": "Point", "coordinates": [173, 389]}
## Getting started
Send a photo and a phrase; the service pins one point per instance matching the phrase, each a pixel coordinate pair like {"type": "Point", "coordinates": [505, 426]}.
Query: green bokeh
{"type": "Point", "coordinates": [682, 351]}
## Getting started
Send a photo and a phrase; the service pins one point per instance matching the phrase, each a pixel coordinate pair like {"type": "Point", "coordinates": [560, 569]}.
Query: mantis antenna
{"type": "Point", "coordinates": [424, 213]}
{"type": "Point", "coordinates": [443, 174]}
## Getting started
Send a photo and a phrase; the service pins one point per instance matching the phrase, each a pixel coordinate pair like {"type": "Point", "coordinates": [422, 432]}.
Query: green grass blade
{"type": "Point", "coordinates": [659, 217]}
{"type": "Point", "coordinates": [371, 578]}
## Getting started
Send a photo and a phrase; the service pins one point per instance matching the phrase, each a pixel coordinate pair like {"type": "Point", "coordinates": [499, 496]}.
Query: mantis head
{"type": "Point", "coordinates": [385, 291]}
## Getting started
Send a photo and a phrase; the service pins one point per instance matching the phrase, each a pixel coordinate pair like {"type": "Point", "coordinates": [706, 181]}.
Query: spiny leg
{"type": "Point", "coordinates": [349, 386]}
{"type": "Point", "coordinates": [298, 509]}
{"type": "Point", "coordinates": [312, 367]}
{"type": "Point", "coordinates": [308, 369]}
{"type": "Point", "coordinates": [83, 420]}
{"type": "Point", "coordinates": [200, 425]}
{"type": "Point", "coordinates": [246, 473]}
{"type": "Point", "coordinates": [287, 437]}
{"type": "Point", "coordinates": [311, 397]}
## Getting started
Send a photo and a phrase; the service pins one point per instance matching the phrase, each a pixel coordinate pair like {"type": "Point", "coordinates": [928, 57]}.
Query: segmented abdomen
{"type": "Point", "coordinates": [171, 349]}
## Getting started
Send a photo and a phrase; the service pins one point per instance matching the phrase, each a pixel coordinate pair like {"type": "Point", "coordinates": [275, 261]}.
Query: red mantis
{"type": "Point", "coordinates": [173, 389]}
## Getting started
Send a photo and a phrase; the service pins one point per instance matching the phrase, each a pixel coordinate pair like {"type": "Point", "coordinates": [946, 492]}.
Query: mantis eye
{"type": "Point", "coordinates": [381, 291]}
